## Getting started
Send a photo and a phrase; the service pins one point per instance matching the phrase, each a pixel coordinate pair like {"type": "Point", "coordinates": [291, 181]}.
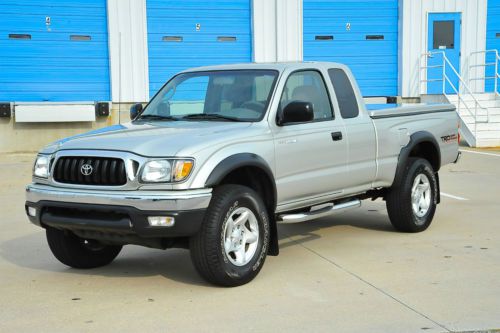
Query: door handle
{"type": "Point", "coordinates": [336, 136]}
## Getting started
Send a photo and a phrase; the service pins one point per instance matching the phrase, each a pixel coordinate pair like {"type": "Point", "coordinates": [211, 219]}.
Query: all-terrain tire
{"type": "Point", "coordinates": [77, 252]}
{"type": "Point", "coordinates": [209, 248]}
{"type": "Point", "coordinates": [407, 210]}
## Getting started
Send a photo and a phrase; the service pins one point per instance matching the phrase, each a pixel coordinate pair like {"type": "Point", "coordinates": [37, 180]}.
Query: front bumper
{"type": "Point", "coordinates": [122, 212]}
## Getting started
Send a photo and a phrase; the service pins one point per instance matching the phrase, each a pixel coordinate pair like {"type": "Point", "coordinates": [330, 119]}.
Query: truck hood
{"type": "Point", "coordinates": [152, 139]}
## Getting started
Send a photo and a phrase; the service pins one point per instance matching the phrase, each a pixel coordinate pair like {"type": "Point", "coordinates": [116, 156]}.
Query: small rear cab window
{"type": "Point", "coordinates": [346, 97]}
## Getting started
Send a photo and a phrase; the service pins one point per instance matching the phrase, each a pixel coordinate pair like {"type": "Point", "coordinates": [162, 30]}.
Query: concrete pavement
{"type": "Point", "coordinates": [347, 273]}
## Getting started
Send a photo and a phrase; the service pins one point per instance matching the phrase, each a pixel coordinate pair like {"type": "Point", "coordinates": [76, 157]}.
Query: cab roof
{"type": "Point", "coordinates": [279, 66]}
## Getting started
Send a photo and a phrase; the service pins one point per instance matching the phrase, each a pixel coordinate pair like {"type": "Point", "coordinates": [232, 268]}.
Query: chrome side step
{"type": "Point", "coordinates": [325, 211]}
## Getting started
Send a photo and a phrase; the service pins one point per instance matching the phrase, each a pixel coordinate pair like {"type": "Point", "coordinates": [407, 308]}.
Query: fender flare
{"type": "Point", "coordinates": [236, 161]}
{"type": "Point", "coordinates": [415, 139]}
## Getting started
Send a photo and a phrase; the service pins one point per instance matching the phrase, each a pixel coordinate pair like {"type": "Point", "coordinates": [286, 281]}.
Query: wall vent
{"type": "Point", "coordinates": [374, 37]}
{"type": "Point", "coordinates": [226, 39]}
{"type": "Point", "coordinates": [80, 37]}
{"type": "Point", "coordinates": [172, 38]}
{"type": "Point", "coordinates": [328, 37]}
{"type": "Point", "coordinates": [19, 36]}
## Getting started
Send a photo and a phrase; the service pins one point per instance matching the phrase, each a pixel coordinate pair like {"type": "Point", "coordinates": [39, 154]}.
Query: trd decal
{"type": "Point", "coordinates": [449, 138]}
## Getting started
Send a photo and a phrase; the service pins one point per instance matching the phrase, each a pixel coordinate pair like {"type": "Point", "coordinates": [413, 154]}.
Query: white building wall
{"type": "Point", "coordinates": [277, 30]}
{"type": "Point", "coordinates": [264, 30]}
{"type": "Point", "coordinates": [413, 41]}
{"type": "Point", "coordinates": [128, 50]}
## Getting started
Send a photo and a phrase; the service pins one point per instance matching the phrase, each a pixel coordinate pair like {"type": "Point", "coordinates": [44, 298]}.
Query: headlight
{"type": "Point", "coordinates": [164, 171]}
{"type": "Point", "coordinates": [41, 168]}
{"type": "Point", "coordinates": [156, 171]}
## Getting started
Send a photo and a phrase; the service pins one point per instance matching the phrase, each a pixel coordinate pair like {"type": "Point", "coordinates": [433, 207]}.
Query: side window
{"type": "Point", "coordinates": [308, 86]}
{"type": "Point", "coordinates": [345, 93]}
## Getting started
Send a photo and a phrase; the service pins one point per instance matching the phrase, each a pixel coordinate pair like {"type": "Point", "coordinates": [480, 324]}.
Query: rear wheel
{"type": "Point", "coordinates": [231, 246]}
{"type": "Point", "coordinates": [77, 252]}
{"type": "Point", "coordinates": [411, 203]}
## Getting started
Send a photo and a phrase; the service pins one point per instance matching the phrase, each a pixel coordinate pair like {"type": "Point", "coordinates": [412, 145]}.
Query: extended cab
{"type": "Point", "coordinates": [222, 154]}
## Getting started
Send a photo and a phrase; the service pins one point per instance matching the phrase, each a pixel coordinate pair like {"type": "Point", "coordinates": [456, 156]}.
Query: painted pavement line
{"type": "Point", "coordinates": [478, 152]}
{"type": "Point", "coordinates": [453, 196]}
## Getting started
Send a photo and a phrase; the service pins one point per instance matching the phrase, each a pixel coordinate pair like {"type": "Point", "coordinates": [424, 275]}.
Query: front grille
{"type": "Point", "coordinates": [103, 171]}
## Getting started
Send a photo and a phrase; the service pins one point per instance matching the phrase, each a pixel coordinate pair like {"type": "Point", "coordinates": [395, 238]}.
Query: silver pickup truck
{"type": "Point", "coordinates": [222, 154]}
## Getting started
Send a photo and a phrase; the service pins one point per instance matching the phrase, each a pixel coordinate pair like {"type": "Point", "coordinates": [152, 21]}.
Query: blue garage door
{"type": "Point", "coordinates": [492, 40]}
{"type": "Point", "coordinates": [54, 50]}
{"type": "Point", "coordinates": [360, 34]}
{"type": "Point", "coordinates": [190, 33]}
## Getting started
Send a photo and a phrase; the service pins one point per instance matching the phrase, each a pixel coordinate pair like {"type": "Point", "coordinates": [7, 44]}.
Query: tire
{"type": "Point", "coordinates": [77, 252]}
{"type": "Point", "coordinates": [407, 208]}
{"type": "Point", "coordinates": [222, 252]}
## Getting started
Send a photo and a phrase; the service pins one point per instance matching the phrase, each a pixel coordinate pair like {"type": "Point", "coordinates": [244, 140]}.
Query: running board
{"type": "Point", "coordinates": [306, 216]}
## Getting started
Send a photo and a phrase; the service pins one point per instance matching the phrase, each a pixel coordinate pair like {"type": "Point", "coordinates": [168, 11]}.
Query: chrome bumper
{"type": "Point", "coordinates": [142, 200]}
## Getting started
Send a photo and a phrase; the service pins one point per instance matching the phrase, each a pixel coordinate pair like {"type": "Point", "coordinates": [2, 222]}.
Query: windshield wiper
{"type": "Point", "coordinates": [210, 116]}
{"type": "Point", "coordinates": [156, 117]}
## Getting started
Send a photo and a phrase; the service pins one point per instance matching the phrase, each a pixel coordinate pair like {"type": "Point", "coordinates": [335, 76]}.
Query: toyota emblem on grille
{"type": "Point", "coordinates": [86, 169]}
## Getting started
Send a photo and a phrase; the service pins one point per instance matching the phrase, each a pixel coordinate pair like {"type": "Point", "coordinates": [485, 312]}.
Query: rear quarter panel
{"type": "Point", "coordinates": [393, 133]}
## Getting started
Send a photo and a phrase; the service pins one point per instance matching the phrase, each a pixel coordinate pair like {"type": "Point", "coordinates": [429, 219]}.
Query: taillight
{"type": "Point", "coordinates": [458, 130]}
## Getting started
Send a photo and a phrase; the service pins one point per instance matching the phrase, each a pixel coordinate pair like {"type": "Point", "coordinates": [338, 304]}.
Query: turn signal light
{"type": "Point", "coordinates": [182, 169]}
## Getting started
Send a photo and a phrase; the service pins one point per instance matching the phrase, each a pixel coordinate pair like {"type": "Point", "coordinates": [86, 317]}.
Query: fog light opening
{"type": "Point", "coordinates": [32, 211]}
{"type": "Point", "coordinates": [161, 221]}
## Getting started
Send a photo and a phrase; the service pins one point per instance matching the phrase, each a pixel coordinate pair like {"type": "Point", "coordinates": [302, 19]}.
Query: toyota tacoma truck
{"type": "Point", "coordinates": [222, 154]}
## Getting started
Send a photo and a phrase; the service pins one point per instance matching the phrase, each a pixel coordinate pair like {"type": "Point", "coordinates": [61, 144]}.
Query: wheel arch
{"type": "Point", "coordinates": [253, 171]}
{"type": "Point", "coordinates": [424, 145]}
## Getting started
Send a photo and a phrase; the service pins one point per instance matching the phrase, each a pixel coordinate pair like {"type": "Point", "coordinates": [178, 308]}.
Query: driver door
{"type": "Point", "coordinates": [311, 157]}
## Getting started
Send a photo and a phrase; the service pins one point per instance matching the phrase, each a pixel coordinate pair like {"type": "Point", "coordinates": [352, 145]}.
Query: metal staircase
{"type": "Point", "coordinates": [479, 111]}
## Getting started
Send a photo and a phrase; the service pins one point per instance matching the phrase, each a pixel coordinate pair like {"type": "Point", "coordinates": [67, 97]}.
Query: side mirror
{"type": "Point", "coordinates": [297, 112]}
{"type": "Point", "coordinates": [135, 110]}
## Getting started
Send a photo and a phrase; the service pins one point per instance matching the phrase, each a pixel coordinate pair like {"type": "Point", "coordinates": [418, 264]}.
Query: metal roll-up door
{"type": "Point", "coordinates": [54, 51]}
{"type": "Point", "coordinates": [184, 34]}
{"type": "Point", "coordinates": [360, 34]}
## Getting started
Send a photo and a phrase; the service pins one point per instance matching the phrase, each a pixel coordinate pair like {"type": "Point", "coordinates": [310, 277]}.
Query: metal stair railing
{"type": "Point", "coordinates": [496, 74]}
{"type": "Point", "coordinates": [460, 99]}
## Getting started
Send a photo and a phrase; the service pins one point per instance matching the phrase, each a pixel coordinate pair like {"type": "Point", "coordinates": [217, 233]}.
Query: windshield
{"type": "Point", "coordinates": [232, 95]}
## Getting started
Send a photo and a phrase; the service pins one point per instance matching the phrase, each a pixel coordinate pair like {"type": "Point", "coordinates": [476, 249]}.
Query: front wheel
{"type": "Point", "coordinates": [77, 252]}
{"type": "Point", "coordinates": [231, 246]}
{"type": "Point", "coordinates": [411, 203]}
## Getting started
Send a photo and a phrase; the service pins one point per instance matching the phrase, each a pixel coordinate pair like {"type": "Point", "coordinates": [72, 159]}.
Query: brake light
{"type": "Point", "coordinates": [458, 130]}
